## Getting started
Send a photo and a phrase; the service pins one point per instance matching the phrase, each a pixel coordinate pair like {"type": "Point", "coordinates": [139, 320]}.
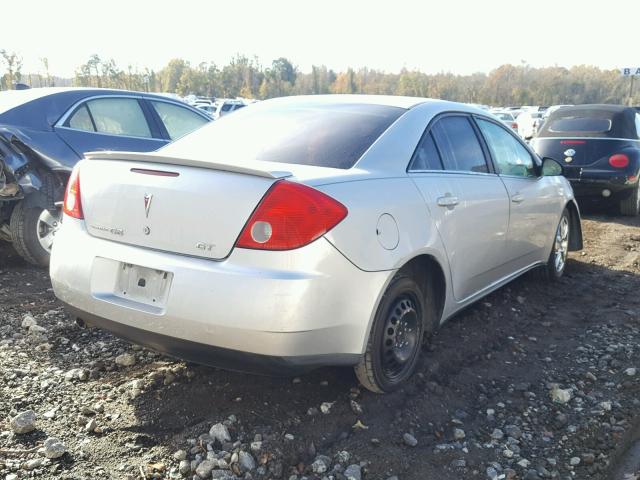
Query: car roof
{"type": "Point", "coordinates": [606, 107]}
{"type": "Point", "coordinates": [40, 108]}
{"type": "Point", "coordinates": [387, 100]}
{"type": "Point", "coordinates": [623, 120]}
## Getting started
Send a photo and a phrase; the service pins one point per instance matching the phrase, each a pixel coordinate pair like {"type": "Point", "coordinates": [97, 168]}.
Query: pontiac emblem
{"type": "Point", "coordinates": [147, 203]}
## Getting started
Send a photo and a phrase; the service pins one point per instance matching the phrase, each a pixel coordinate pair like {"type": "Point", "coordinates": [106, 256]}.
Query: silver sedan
{"type": "Point", "coordinates": [310, 231]}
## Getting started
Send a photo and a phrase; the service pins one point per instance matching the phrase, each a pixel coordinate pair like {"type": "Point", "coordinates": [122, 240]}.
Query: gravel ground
{"type": "Point", "coordinates": [534, 381]}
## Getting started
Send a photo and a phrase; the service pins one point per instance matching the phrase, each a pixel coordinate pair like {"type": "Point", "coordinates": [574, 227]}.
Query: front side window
{"type": "Point", "coordinates": [509, 155]}
{"type": "Point", "coordinates": [459, 145]}
{"type": "Point", "coordinates": [177, 120]}
{"type": "Point", "coordinates": [117, 116]}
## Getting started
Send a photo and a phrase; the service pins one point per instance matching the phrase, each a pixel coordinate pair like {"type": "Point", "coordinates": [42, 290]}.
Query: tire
{"type": "Point", "coordinates": [557, 262]}
{"type": "Point", "coordinates": [392, 353]}
{"type": "Point", "coordinates": [631, 205]}
{"type": "Point", "coordinates": [30, 228]}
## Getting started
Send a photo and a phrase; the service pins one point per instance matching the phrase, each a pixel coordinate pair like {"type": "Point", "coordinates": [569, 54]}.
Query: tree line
{"type": "Point", "coordinates": [245, 77]}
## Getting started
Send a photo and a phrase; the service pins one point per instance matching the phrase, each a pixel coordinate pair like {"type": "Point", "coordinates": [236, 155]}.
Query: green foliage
{"type": "Point", "coordinates": [13, 63]}
{"type": "Point", "coordinates": [244, 76]}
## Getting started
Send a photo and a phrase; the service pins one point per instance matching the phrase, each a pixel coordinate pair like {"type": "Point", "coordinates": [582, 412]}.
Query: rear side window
{"type": "Point", "coordinates": [113, 116]}
{"type": "Point", "coordinates": [81, 120]}
{"type": "Point", "coordinates": [314, 133]}
{"type": "Point", "coordinates": [178, 120]}
{"type": "Point", "coordinates": [426, 156]}
{"type": "Point", "coordinates": [580, 125]}
{"type": "Point", "coordinates": [457, 141]}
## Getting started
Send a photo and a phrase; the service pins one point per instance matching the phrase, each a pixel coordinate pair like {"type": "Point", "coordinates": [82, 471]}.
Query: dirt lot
{"type": "Point", "coordinates": [484, 404]}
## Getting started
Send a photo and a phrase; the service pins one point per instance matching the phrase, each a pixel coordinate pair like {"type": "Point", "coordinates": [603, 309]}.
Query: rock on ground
{"type": "Point", "coordinates": [24, 422]}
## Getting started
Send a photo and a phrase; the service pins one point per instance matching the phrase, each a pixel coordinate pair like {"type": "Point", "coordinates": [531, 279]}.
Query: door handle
{"type": "Point", "coordinates": [448, 201]}
{"type": "Point", "coordinates": [517, 198]}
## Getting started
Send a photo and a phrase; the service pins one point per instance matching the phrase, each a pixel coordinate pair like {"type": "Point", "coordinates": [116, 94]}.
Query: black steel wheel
{"type": "Point", "coordinates": [396, 337]}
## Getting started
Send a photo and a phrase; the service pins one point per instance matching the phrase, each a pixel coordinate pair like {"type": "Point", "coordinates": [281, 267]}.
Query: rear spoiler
{"type": "Point", "coordinates": [256, 169]}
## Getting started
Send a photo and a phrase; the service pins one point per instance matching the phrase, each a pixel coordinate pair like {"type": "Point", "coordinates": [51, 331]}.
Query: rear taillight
{"type": "Point", "coordinates": [619, 160]}
{"type": "Point", "coordinates": [514, 125]}
{"type": "Point", "coordinates": [290, 215]}
{"type": "Point", "coordinates": [72, 205]}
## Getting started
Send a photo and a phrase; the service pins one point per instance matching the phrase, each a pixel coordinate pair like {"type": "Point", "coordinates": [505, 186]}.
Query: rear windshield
{"type": "Point", "coordinates": [580, 125]}
{"type": "Point", "coordinates": [319, 134]}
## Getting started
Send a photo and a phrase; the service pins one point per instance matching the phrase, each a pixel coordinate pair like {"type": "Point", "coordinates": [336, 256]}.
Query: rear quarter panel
{"type": "Point", "coordinates": [357, 236]}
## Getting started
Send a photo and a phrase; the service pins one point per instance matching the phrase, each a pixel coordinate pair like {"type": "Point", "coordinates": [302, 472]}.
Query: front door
{"type": "Point", "coordinates": [532, 214]}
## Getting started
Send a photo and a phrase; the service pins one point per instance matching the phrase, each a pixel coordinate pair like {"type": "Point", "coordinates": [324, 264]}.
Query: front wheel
{"type": "Point", "coordinates": [554, 268]}
{"type": "Point", "coordinates": [631, 205]}
{"type": "Point", "coordinates": [396, 337]}
{"type": "Point", "coordinates": [32, 232]}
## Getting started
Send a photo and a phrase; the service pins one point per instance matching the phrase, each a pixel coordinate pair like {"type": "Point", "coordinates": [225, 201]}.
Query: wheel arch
{"type": "Point", "coordinates": [427, 271]}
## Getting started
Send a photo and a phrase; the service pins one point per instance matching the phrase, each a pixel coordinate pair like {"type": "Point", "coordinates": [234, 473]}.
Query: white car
{"type": "Point", "coordinates": [225, 107]}
{"type": "Point", "coordinates": [508, 119]}
{"type": "Point", "coordinates": [529, 123]}
{"type": "Point", "coordinates": [310, 231]}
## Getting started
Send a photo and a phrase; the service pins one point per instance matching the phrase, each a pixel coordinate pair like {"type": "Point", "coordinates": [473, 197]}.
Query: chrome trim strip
{"type": "Point", "coordinates": [73, 107]}
{"type": "Point", "coordinates": [455, 172]}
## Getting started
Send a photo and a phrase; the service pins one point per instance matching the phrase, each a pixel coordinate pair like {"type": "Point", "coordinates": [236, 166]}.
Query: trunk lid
{"type": "Point", "coordinates": [150, 202]}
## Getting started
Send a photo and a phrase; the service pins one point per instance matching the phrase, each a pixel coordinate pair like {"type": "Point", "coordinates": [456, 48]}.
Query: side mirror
{"type": "Point", "coordinates": [550, 168]}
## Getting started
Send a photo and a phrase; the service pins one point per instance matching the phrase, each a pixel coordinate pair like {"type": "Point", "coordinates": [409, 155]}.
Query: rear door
{"type": "Point", "coordinates": [110, 123]}
{"type": "Point", "coordinates": [467, 200]}
{"type": "Point", "coordinates": [533, 199]}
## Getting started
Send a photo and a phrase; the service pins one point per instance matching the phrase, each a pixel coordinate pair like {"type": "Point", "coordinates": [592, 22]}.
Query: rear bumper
{"type": "Point", "coordinates": [215, 356]}
{"type": "Point", "coordinates": [592, 185]}
{"type": "Point", "coordinates": [301, 309]}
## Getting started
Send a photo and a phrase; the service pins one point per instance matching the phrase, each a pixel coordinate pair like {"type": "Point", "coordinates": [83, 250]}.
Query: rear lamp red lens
{"type": "Point", "coordinates": [72, 205]}
{"type": "Point", "coordinates": [290, 215]}
{"type": "Point", "coordinates": [619, 160]}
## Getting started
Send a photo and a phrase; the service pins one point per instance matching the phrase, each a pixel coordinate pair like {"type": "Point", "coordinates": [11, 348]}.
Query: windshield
{"type": "Point", "coordinates": [320, 134]}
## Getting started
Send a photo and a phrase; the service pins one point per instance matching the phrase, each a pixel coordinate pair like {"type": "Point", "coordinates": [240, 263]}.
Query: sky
{"type": "Point", "coordinates": [458, 36]}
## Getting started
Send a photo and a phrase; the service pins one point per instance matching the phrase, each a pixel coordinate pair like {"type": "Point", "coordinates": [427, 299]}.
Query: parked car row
{"type": "Point", "coordinates": [216, 107]}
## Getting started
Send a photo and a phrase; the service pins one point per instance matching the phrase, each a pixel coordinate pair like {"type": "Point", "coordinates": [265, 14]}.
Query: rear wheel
{"type": "Point", "coordinates": [631, 205]}
{"type": "Point", "coordinates": [554, 268]}
{"type": "Point", "coordinates": [32, 232]}
{"type": "Point", "coordinates": [396, 337]}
